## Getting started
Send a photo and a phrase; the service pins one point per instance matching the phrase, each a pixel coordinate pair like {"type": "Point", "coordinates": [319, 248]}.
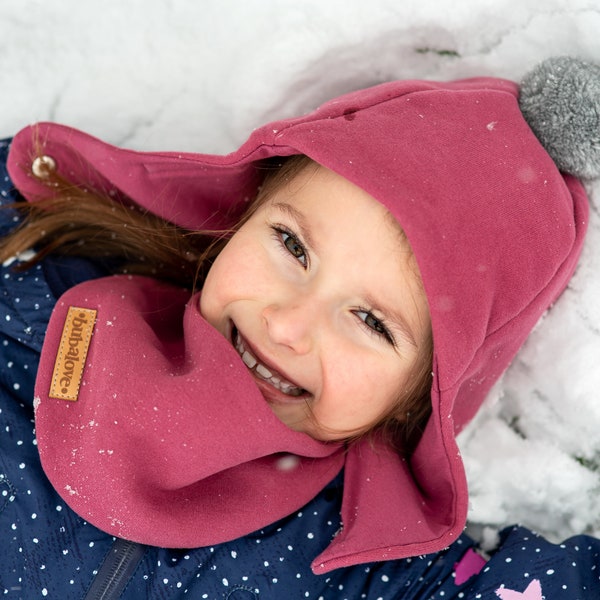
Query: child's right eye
{"type": "Point", "coordinates": [292, 245]}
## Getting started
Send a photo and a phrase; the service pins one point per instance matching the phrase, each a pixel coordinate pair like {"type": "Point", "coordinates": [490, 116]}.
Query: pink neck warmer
{"type": "Point", "coordinates": [169, 440]}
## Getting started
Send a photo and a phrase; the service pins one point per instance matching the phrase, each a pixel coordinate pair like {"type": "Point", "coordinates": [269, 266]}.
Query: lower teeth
{"type": "Point", "coordinates": [264, 373]}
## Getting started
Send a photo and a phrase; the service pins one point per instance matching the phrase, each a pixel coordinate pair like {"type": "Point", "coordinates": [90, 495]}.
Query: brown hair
{"type": "Point", "coordinates": [403, 426]}
{"type": "Point", "coordinates": [73, 220]}
{"type": "Point", "coordinates": [76, 221]}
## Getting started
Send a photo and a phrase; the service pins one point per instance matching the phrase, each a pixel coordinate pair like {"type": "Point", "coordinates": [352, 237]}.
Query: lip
{"type": "Point", "coordinates": [271, 393]}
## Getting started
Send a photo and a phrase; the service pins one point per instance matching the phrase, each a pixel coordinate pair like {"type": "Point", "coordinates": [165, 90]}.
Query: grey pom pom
{"type": "Point", "coordinates": [560, 99]}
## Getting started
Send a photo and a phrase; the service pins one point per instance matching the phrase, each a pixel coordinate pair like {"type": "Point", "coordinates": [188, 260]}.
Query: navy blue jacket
{"type": "Point", "coordinates": [47, 551]}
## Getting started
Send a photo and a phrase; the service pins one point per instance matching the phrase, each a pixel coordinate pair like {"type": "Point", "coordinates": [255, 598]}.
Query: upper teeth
{"type": "Point", "coordinates": [254, 365]}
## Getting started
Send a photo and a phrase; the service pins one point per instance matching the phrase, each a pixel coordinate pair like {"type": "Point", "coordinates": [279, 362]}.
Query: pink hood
{"type": "Point", "coordinates": [496, 230]}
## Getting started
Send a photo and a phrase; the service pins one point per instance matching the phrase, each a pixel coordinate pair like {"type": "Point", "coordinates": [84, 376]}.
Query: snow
{"type": "Point", "coordinates": [200, 75]}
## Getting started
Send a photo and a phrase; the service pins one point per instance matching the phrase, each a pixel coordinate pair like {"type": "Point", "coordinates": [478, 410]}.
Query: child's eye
{"type": "Point", "coordinates": [375, 325]}
{"type": "Point", "coordinates": [292, 245]}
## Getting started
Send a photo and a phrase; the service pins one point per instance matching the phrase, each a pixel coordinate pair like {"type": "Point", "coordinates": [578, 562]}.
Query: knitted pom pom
{"type": "Point", "coordinates": [560, 99]}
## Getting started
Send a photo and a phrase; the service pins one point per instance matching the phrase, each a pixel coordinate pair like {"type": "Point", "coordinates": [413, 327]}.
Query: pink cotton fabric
{"type": "Point", "coordinates": [496, 230]}
{"type": "Point", "coordinates": [149, 444]}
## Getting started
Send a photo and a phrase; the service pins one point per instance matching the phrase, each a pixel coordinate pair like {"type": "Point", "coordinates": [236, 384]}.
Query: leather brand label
{"type": "Point", "coordinates": [72, 352]}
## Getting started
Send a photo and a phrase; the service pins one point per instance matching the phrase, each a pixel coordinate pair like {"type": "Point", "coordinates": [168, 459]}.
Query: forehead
{"type": "Point", "coordinates": [324, 195]}
{"type": "Point", "coordinates": [320, 188]}
{"type": "Point", "coordinates": [321, 200]}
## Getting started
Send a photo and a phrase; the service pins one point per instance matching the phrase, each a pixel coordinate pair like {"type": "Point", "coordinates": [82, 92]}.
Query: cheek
{"type": "Point", "coordinates": [236, 274]}
{"type": "Point", "coordinates": [219, 286]}
{"type": "Point", "coordinates": [359, 389]}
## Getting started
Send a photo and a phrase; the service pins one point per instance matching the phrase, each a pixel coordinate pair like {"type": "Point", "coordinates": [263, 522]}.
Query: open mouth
{"type": "Point", "coordinates": [263, 371]}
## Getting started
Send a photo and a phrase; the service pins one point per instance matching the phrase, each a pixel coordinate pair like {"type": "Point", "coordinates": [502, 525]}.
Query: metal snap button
{"type": "Point", "coordinates": [43, 166]}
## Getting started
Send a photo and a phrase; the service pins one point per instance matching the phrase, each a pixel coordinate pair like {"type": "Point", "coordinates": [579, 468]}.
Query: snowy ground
{"type": "Point", "coordinates": [200, 74]}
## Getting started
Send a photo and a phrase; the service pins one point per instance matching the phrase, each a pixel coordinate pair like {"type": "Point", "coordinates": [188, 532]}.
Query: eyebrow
{"type": "Point", "coordinates": [396, 316]}
{"type": "Point", "coordinates": [300, 219]}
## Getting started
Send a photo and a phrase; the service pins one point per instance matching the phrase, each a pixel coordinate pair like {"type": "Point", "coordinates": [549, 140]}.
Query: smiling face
{"type": "Point", "coordinates": [320, 294]}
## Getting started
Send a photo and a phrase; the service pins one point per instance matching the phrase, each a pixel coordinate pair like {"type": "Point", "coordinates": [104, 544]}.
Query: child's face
{"type": "Point", "coordinates": [319, 293]}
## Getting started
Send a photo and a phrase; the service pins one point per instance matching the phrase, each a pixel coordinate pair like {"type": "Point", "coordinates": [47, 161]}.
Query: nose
{"type": "Point", "coordinates": [292, 324]}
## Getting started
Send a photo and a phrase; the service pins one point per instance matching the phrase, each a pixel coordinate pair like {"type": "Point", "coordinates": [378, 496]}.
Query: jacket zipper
{"type": "Point", "coordinates": [116, 570]}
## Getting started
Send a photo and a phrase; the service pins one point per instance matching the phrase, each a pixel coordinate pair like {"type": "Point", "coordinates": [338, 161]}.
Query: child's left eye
{"type": "Point", "coordinates": [375, 325]}
{"type": "Point", "coordinates": [292, 245]}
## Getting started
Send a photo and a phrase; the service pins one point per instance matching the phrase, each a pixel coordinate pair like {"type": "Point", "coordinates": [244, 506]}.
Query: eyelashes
{"type": "Point", "coordinates": [374, 325]}
{"type": "Point", "coordinates": [291, 245]}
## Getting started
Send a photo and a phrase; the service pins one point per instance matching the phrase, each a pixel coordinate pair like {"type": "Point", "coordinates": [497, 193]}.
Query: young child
{"type": "Point", "coordinates": [282, 391]}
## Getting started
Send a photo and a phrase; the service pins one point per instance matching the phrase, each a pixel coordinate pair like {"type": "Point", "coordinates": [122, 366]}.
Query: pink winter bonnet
{"type": "Point", "coordinates": [476, 176]}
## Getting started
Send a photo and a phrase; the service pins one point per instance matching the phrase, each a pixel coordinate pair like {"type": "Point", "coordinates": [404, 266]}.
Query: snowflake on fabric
{"type": "Point", "coordinates": [533, 592]}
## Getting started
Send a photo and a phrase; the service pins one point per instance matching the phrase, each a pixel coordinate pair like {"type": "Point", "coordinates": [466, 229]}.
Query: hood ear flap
{"type": "Point", "coordinates": [560, 99]}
